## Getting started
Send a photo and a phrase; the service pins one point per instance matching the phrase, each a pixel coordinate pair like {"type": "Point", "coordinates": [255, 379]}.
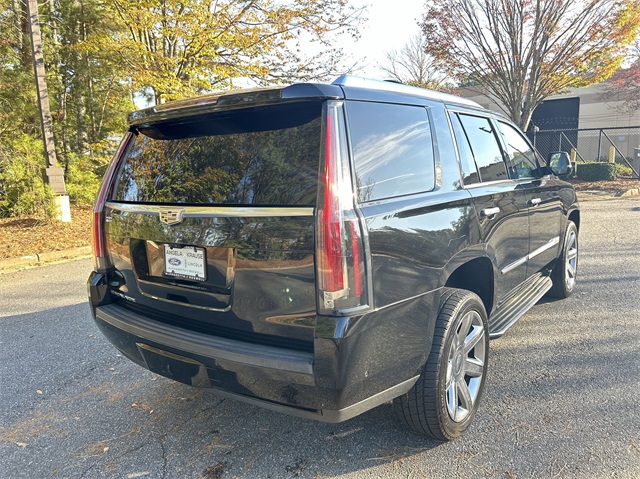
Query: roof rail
{"type": "Point", "coordinates": [391, 86]}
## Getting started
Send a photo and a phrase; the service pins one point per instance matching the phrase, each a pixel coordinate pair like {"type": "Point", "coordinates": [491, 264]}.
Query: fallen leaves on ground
{"type": "Point", "coordinates": [612, 187]}
{"type": "Point", "coordinates": [30, 236]}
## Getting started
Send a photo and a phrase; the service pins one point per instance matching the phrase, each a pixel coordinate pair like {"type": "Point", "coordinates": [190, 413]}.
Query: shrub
{"type": "Point", "coordinates": [596, 171]}
{"type": "Point", "coordinates": [623, 170]}
{"type": "Point", "coordinates": [23, 190]}
{"type": "Point", "coordinates": [82, 181]}
{"type": "Point", "coordinates": [85, 172]}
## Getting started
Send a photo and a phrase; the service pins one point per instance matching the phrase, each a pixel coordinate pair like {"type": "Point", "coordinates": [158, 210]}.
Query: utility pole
{"type": "Point", "coordinates": [54, 174]}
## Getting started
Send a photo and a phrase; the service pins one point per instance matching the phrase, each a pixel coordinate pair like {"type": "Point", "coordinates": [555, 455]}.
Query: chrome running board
{"type": "Point", "coordinates": [518, 304]}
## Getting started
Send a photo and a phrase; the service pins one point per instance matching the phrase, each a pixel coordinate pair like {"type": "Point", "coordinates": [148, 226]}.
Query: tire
{"type": "Point", "coordinates": [444, 401]}
{"type": "Point", "coordinates": [566, 268]}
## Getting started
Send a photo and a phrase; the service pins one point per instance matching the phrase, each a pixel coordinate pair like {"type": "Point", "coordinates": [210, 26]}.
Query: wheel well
{"type": "Point", "coordinates": [575, 217]}
{"type": "Point", "coordinates": [475, 276]}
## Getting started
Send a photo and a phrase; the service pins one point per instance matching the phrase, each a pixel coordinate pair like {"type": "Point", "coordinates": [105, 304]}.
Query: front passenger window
{"type": "Point", "coordinates": [522, 159]}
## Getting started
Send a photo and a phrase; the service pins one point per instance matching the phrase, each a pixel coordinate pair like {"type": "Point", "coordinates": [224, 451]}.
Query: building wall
{"type": "Point", "coordinates": [593, 113]}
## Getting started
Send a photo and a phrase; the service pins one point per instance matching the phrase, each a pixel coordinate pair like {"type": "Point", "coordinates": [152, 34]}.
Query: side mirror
{"type": "Point", "coordinates": [560, 163]}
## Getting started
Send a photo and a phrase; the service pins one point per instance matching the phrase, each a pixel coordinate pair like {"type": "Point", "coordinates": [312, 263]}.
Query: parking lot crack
{"type": "Point", "coordinates": [161, 440]}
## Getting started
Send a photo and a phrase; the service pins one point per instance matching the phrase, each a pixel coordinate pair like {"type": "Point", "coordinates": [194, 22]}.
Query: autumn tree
{"type": "Point", "coordinates": [101, 55]}
{"type": "Point", "coordinates": [179, 48]}
{"type": "Point", "coordinates": [624, 85]}
{"type": "Point", "coordinates": [412, 65]}
{"type": "Point", "coordinates": [522, 51]}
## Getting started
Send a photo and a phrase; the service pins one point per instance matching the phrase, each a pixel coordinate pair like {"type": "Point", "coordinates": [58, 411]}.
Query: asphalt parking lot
{"type": "Point", "coordinates": [561, 398]}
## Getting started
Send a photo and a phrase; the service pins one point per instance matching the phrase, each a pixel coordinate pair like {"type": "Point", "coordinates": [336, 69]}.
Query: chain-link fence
{"type": "Point", "coordinates": [593, 144]}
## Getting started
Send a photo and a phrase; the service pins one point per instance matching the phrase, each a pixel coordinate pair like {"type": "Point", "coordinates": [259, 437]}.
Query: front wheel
{"type": "Point", "coordinates": [445, 399]}
{"type": "Point", "coordinates": [564, 272]}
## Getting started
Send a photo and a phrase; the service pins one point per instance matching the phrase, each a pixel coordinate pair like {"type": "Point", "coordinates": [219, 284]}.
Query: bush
{"type": "Point", "coordinates": [82, 181]}
{"type": "Point", "coordinates": [596, 171]}
{"type": "Point", "coordinates": [623, 170]}
{"type": "Point", "coordinates": [85, 172]}
{"type": "Point", "coordinates": [23, 190]}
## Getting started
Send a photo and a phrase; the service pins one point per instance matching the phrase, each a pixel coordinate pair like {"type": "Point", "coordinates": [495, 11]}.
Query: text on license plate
{"type": "Point", "coordinates": [186, 262]}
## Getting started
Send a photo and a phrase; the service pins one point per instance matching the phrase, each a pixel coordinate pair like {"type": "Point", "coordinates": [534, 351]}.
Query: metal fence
{"type": "Point", "coordinates": [593, 144]}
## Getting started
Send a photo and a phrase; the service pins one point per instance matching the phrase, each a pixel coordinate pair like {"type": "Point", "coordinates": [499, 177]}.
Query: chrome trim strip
{"type": "Point", "coordinates": [216, 211]}
{"type": "Point", "coordinates": [552, 242]}
{"type": "Point", "coordinates": [514, 265]}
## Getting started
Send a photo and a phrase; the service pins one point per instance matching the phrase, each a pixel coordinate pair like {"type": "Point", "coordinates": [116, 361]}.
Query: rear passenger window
{"type": "Point", "coordinates": [469, 169]}
{"type": "Point", "coordinates": [392, 149]}
{"type": "Point", "coordinates": [485, 147]}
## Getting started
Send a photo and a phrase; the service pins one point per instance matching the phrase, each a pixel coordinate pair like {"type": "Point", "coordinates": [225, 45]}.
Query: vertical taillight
{"type": "Point", "coordinates": [101, 262]}
{"type": "Point", "coordinates": [342, 282]}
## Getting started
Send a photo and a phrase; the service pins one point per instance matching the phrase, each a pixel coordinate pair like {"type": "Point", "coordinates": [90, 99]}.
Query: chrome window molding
{"type": "Point", "coordinates": [215, 211]}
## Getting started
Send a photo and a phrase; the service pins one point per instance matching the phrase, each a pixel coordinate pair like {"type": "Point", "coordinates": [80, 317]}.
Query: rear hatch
{"type": "Point", "coordinates": [209, 223]}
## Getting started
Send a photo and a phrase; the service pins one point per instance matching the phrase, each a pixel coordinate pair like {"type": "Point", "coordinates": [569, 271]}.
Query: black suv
{"type": "Point", "coordinates": [322, 249]}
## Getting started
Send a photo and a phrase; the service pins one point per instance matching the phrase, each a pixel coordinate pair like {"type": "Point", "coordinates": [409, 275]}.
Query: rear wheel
{"type": "Point", "coordinates": [445, 399]}
{"type": "Point", "coordinates": [566, 268]}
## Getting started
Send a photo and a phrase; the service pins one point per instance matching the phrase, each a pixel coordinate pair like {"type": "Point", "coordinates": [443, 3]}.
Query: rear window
{"type": "Point", "coordinates": [392, 149]}
{"type": "Point", "coordinates": [260, 156]}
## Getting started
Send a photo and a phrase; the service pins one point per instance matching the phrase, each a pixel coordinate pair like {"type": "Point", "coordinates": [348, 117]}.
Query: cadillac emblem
{"type": "Point", "coordinates": [172, 217]}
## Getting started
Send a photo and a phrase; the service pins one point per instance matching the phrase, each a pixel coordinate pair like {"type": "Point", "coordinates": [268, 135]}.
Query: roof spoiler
{"type": "Point", "coordinates": [233, 100]}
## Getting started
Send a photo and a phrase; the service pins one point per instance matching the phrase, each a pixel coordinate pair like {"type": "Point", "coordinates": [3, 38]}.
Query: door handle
{"type": "Point", "coordinates": [490, 212]}
{"type": "Point", "coordinates": [535, 201]}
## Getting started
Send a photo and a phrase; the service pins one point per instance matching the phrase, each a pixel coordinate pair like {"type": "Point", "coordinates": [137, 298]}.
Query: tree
{"type": "Point", "coordinates": [413, 65]}
{"type": "Point", "coordinates": [179, 48]}
{"type": "Point", "coordinates": [522, 51]}
{"type": "Point", "coordinates": [624, 85]}
{"type": "Point", "coordinates": [101, 54]}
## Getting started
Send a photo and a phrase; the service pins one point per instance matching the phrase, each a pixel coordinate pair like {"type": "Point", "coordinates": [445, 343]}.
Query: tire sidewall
{"type": "Point", "coordinates": [571, 227]}
{"type": "Point", "coordinates": [450, 428]}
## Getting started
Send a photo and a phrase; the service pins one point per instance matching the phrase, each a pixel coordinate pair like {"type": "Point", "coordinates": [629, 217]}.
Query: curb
{"type": "Point", "coordinates": [23, 262]}
{"type": "Point", "coordinates": [631, 192]}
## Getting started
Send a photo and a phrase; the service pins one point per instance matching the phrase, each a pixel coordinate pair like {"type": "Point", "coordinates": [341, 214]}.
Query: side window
{"type": "Point", "coordinates": [392, 149]}
{"type": "Point", "coordinates": [522, 159]}
{"type": "Point", "coordinates": [485, 147]}
{"type": "Point", "coordinates": [469, 169]}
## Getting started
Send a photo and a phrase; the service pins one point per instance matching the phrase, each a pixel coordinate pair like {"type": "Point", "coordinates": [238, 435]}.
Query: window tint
{"type": "Point", "coordinates": [522, 159]}
{"type": "Point", "coordinates": [485, 147]}
{"type": "Point", "coordinates": [469, 170]}
{"type": "Point", "coordinates": [392, 149]}
{"type": "Point", "coordinates": [265, 156]}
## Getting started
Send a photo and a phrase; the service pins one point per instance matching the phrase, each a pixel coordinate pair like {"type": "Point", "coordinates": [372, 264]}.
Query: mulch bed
{"type": "Point", "coordinates": [29, 236]}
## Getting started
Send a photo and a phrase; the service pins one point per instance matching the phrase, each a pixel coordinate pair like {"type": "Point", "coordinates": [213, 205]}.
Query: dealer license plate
{"type": "Point", "coordinates": [187, 262]}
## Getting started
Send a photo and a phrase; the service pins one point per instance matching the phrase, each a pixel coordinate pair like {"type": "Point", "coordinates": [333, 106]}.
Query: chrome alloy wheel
{"type": "Point", "coordinates": [571, 261]}
{"type": "Point", "coordinates": [465, 367]}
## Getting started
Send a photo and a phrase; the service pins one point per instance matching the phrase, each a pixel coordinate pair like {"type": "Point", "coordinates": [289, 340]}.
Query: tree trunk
{"type": "Point", "coordinates": [23, 33]}
{"type": "Point", "coordinates": [56, 179]}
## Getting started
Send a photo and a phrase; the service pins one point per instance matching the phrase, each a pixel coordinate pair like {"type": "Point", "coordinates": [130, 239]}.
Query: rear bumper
{"type": "Point", "coordinates": [361, 363]}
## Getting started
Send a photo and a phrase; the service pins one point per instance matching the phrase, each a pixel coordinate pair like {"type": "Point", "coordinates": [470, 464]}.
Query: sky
{"type": "Point", "coordinates": [389, 26]}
